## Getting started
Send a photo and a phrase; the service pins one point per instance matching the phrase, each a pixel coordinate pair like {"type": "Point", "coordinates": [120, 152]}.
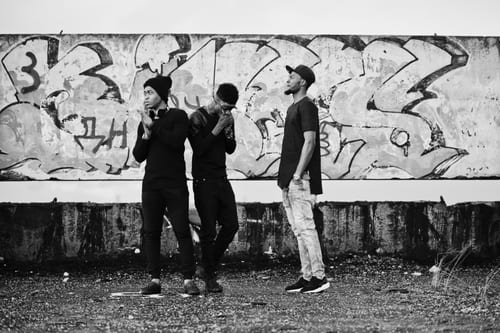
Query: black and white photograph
{"type": "Point", "coordinates": [249, 166]}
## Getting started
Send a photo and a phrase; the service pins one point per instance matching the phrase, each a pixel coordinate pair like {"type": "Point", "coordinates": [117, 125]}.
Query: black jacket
{"type": "Point", "coordinates": [209, 151]}
{"type": "Point", "coordinates": [164, 151]}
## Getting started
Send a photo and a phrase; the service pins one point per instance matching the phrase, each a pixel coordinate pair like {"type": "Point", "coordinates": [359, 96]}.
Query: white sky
{"type": "Point", "coordinates": [356, 17]}
{"type": "Point", "coordinates": [382, 17]}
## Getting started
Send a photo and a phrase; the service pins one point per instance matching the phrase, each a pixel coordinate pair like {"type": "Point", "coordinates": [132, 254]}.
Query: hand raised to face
{"type": "Point", "coordinates": [147, 122]}
{"type": "Point", "coordinates": [225, 120]}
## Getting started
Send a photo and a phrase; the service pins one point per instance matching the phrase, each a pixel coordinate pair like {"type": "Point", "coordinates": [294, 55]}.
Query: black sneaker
{"type": "Point", "coordinates": [297, 286]}
{"type": "Point", "coordinates": [191, 288]}
{"type": "Point", "coordinates": [212, 286]}
{"type": "Point", "coordinates": [316, 285]}
{"type": "Point", "coordinates": [151, 289]}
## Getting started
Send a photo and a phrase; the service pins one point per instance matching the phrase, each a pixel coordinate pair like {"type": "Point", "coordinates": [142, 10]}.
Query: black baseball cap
{"type": "Point", "coordinates": [305, 72]}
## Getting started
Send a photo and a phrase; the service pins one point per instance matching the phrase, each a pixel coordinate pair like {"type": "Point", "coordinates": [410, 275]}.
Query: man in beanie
{"type": "Point", "coordinates": [160, 141]}
{"type": "Point", "coordinates": [211, 135]}
{"type": "Point", "coordinates": [299, 177]}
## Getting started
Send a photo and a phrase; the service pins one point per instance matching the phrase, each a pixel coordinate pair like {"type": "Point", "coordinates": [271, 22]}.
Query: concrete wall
{"type": "Point", "coordinates": [390, 107]}
{"type": "Point", "coordinates": [43, 232]}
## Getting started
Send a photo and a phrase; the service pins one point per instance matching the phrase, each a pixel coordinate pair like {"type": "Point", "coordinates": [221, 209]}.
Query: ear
{"type": "Point", "coordinates": [212, 103]}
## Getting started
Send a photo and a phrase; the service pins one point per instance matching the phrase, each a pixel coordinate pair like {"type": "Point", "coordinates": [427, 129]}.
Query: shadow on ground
{"type": "Point", "coordinates": [367, 293]}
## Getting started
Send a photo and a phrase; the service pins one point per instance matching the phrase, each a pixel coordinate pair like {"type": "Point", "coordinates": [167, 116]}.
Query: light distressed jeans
{"type": "Point", "coordinates": [298, 203]}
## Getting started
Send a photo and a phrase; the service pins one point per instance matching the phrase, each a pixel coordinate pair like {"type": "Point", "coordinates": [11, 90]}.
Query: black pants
{"type": "Point", "coordinates": [214, 200]}
{"type": "Point", "coordinates": [154, 202]}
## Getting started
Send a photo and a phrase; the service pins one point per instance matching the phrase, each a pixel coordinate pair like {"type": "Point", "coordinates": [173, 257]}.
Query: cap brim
{"type": "Point", "coordinates": [289, 69]}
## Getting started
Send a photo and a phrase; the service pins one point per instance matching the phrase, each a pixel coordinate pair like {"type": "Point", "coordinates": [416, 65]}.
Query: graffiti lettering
{"type": "Point", "coordinates": [89, 136]}
{"type": "Point", "coordinates": [32, 72]}
{"type": "Point", "coordinates": [75, 93]}
{"type": "Point", "coordinates": [114, 133]}
{"type": "Point", "coordinates": [193, 106]}
{"type": "Point", "coordinates": [385, 104]}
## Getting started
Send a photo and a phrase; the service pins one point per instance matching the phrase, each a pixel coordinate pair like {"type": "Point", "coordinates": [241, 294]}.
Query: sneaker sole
{"type": "Point", "coordinates": [291, 291]}
{"type": "Point", "coordinates": [319, 289]}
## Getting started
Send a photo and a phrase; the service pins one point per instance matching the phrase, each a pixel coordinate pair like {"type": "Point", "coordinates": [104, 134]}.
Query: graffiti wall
{"type": "Point", "coordinates": [390, 107]}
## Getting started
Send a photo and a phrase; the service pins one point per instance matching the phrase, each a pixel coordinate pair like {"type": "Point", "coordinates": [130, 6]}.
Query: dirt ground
{"type": "Point", "coordinates": [367, 294]}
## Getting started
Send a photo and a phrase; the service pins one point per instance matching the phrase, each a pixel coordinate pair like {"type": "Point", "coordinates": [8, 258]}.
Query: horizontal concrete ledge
{"type": "Point", "coordinates": [264, 191]}
{"type": "Point", "coordinates": [40, 232]}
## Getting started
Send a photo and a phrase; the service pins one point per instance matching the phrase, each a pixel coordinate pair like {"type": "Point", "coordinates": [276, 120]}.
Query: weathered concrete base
{"type": "Point", "coordinates": [420, 230]}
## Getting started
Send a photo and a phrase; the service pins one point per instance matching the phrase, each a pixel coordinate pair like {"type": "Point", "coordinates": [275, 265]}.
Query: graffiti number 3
{"type": "Point", "coordinates": [33, 73]}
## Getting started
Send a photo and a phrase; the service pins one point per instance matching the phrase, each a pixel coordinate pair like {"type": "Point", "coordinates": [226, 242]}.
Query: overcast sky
{"type": "Point", "coordinates": [382, 17]}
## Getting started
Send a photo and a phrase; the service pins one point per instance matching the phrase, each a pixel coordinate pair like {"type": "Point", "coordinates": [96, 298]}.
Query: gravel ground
{"type": "Point", "coordinates": [367, 294]}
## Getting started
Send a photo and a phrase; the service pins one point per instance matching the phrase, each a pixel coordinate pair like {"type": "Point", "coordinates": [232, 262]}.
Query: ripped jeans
{"type": "Point", "coordinates": [298, 203]}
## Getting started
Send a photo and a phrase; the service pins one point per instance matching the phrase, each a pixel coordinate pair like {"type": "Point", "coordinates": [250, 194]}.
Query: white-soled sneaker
{"type": "Point", "coordinates": [297, 286]}
{"type": "Point", "coordinates": [316, 286]}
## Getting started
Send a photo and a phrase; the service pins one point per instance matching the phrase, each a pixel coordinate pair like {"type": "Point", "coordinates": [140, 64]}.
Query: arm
{"type": "Point", "coordinates": [309, 122]}
{"type": "Point", "coordinates": [229, 138]}
{"type": "Point", "coordinates": [141, 147]}
{"type": "Point", "coordinates": [176, 136]}
{"type": "Point", "coordinates": [199, 142]}
{"type": "Point", "coordinates": [306, 152]}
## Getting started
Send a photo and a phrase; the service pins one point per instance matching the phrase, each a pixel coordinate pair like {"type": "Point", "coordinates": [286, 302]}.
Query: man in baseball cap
{"type": "Point", "coordinates": [299, 177]}
{"type": "Point", "coordinates": [305, 73]}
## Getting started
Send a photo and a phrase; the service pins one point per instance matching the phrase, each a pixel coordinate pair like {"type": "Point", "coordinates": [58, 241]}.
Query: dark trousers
{"type": "Point", "coordinates": [214, 200]}
{"type": "Point", "coordinates": [175, 200]}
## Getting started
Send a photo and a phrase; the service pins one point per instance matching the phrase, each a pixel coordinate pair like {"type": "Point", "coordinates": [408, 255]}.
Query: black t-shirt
{"type": "Point", "coordinates": [164, 151]}
{"type": "Point", "coordinates": [209, 151]}
{"type": "Point", "coordinates": [300, 117]}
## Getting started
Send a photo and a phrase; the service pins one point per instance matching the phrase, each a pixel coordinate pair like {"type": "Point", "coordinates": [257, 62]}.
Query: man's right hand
{"type": "Point", "coordinates": [147, 122]}
{"type": "Point", "coordinates": [147, 134]}
{"type": "Point", "coordinates": [224, 121]}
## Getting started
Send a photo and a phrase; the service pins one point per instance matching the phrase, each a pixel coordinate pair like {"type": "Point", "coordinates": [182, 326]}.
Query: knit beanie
{"type": "Point", "coordinates": [228, 93]}
{"type": "Point", "coordinates": [161, 84]}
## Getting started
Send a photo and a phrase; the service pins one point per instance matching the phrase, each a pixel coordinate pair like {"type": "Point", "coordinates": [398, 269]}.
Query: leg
{"type": "Point", "coordinates": [205, 199]}
{"type": "Point", "coordinates": [301, 206]}
{"type": "Point", "coordinates": [303, 254]}
{"type": "Point", "coordinates": [153, 207]}
{"type": "Point", "coordinates": [177, 206]}
{"type": "Point", "coordinates": [227, 218]}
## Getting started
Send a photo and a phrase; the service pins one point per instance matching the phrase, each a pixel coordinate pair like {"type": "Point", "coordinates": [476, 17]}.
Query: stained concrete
{"type": "Point", "coordinates": [418, 230]}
